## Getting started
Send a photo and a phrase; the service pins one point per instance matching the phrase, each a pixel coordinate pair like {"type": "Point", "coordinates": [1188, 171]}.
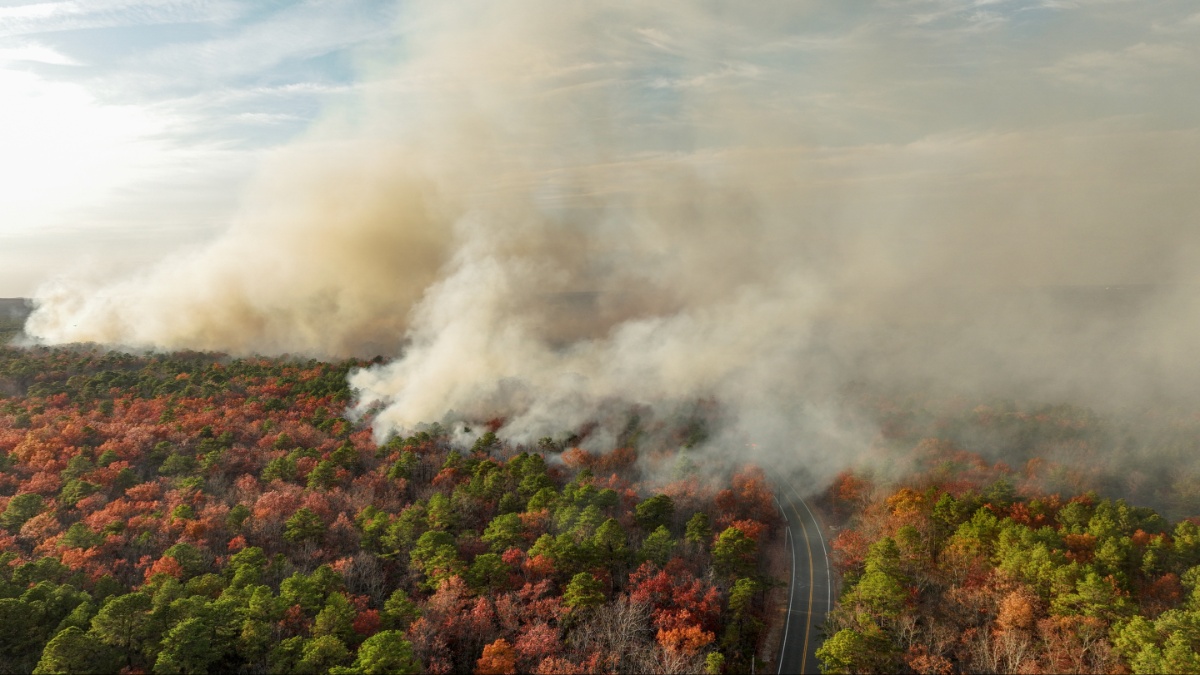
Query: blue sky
{"type": "Point", "coordinates": [131, 128]}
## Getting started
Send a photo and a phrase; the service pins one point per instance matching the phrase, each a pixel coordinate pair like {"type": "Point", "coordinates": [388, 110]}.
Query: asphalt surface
{"type": "Point", "coordinates": [810, 588]}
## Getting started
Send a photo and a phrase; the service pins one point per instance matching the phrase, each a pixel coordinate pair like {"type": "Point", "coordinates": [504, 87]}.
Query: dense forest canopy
{"type": "Point", "coordinates": [974, 565]}
{"type": "Point", "coordinates": [190, 512]}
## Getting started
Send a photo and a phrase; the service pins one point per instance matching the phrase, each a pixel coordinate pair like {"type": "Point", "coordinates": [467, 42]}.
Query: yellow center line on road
{"type": "Point", "coordinates": [811, 583]}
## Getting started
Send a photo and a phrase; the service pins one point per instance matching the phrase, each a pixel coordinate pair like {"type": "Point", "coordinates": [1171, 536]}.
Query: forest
{"type": "Point", "coordinates": [192, 512]}
{"type": "Point", "coordinates": [959, 562]}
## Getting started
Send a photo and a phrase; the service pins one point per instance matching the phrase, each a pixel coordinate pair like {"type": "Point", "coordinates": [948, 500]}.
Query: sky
{"type": "Point", "coordinates": [131, 128]}
{"type": "Point", "coordinates": [128, 128]}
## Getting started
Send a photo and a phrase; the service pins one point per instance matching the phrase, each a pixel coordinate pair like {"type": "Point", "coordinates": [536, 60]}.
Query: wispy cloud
{"type": "Point", "coordinates": [294, 33]}
{"type": "Point", "coordinates": [32, 52]}
{"type": "Point", "coordinates": [45, 17]}
{"type": "Point", "coordinates": [1134, 66]}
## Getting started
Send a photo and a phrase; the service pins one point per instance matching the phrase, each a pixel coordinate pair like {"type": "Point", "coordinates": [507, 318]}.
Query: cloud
{"type": "Point", "coordinates": [1133, 66]}
{"type": "Point", "coordinates": [292, 33]}
{"type": "Point", "coordinates": [63, 15]}
{"type": "Point", "coordinates": [31, 52]}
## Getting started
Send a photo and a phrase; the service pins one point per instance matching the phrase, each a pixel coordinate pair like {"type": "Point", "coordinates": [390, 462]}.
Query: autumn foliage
{"type": "Point", "coordinates": [989, 578]}
{"type": "Point", "coordinates": [194, 512]}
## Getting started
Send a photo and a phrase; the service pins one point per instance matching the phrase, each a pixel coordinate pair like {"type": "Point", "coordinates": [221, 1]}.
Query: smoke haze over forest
{"type": "Point", "coordinates": [536, 210]}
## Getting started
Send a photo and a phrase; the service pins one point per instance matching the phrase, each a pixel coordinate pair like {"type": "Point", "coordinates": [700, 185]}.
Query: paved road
{"type": "Point", "coordinates": [811, 585]}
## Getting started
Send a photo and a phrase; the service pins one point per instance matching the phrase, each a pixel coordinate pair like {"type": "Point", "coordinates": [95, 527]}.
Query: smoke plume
{"type": "Point", "coordinates": [541, 208]}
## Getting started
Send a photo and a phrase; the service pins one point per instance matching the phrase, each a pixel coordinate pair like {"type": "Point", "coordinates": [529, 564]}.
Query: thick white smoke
{"type": "Point", "coordinates": [547, 207]}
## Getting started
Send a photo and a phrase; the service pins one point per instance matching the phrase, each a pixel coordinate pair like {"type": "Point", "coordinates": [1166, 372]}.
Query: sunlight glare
{"type": "Point", "coordinates": [61, 149]}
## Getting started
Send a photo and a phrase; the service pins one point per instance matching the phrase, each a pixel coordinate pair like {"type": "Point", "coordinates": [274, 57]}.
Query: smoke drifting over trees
{"type": "Point", "coordinates": [537, 209]}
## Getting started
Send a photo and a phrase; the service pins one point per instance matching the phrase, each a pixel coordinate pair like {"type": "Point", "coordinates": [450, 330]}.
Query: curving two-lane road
{"type": "Point", "coordinates": [811, 585]}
